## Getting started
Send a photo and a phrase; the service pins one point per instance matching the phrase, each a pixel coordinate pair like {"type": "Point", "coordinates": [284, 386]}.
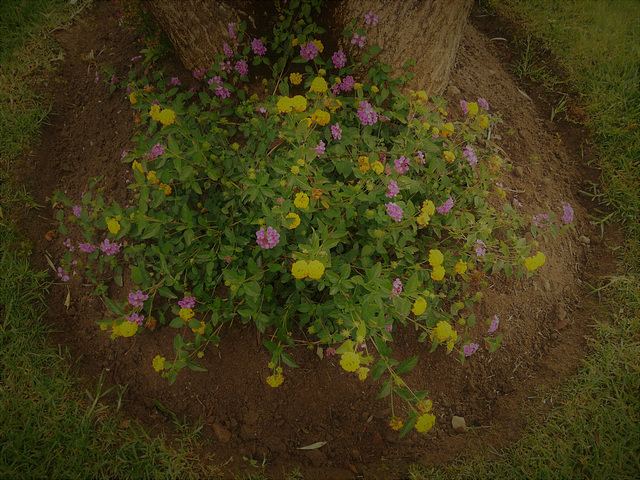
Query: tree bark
{"type": "Point", "coordinates": [427, 30]}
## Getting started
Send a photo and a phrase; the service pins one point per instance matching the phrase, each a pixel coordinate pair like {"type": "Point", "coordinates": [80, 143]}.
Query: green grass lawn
{"type": "Point", "coordinates": [50, 427]}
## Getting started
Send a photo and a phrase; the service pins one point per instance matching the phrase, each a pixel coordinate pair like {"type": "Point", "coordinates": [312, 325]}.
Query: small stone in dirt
{"type": "Point", "coordinates": [518, 171]}
{"type": "Point", "coordinates": [222, 434]}
{"type": "Point", "coordinates": [317, 457]}
{"type": "Point", "coordinates": [458, 424]}
{"type": "Point", "coordinates": [584, 239]}
{"type": "Point", "coordinates": [453, 90]}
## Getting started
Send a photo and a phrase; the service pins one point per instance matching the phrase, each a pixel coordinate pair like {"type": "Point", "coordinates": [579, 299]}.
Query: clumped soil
{"type": "Point", "coordinates": [545, 320]}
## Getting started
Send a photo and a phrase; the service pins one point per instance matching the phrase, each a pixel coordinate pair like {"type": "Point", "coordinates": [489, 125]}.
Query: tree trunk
{"type": "Point", "coordinates": [427, 30]}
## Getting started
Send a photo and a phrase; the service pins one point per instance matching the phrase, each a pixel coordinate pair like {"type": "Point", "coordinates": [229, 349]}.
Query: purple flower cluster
{"type": "Point", "coordinates": [227, 50]}
{"type": "Point", "coordinates": [222, 92]}
{"type": "Point", "coordinates": [397, 288]}
{"type": "Point", "coordinates": [481, 248]}
{"type": "Point", "coordinates": [320, 149]}
{"type": "Point", "coordinates": [463, 104]}
{"type": "Point", "coordinates": [394, 211]}
{"type": "Point", "coordinates": [339, 59]}
{"type": "Point", "coordinates": [540, 220]}
{"type": "Point", "coordinates": [367, 114]}
{"type": "Point", "coordinates": [371, 19]}
{"type": "Point", "coordinates": [242, 68]}
{"type": "Point", "coordinates": [67, 243]}
{"type": "Point", "coordinates": [87, 247]}
{"type": "Point", "coordinates": [62, 275]}
{"type": "Point", "coordinates": [187, 302]}
{"type": "Point", "coordinates": [421, 159]}
{"type": "Point", "coordinates": [137, 299]}
{"type": "Point", "coordinates": [226, 67]}
{"type": "Point", "coordinates": [483, 103]}
{"type": "Point", "coordinates": [470, 153]}
{"type": "Point", "coordinates": [347, 83]}
{"type": "Point", "coordinates": [232, 33]}
{"type": "Point", "coordinates": [309, 51]}
{"type": "Point", "coordinates": [470, 349]}
{"type": "Point", "coordinates": [567, 216]}
{"type": "Point", "coordinates": [268, 238]}
{"type": "Point", "coordinates": [199, 73]}
{"type": "Point", "coordinates": [109, 248]}
{"type": "Point", "coordinates": [174, 82]}
{"type": "Point", "coordinates": [336, 131]}
{"type": "Point", "coordinates": [392, 189]}
{"type": "Point", "coordinates": [257, 47]}
{"type": "Point", "coordinates": [155, 152]}
{"type": "Point", "coordinates": [135, 318]}
{"type": "Point", "coordinates": [446, 206]}
{"type": "Point", "coordinates": [401, 165]}
{"type": "Point", "coordinates": [359, 39]}
{"type": "Point", "coordinates": [495, 321]}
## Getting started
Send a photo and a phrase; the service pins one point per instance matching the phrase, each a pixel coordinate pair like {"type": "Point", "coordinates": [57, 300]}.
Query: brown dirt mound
{"type": "Point", "coordinates": [544, 319]}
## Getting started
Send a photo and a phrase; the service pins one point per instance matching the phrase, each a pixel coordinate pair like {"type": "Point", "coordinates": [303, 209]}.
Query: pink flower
{"type": "Point", "coordinates": [347, 83]}
{"type": "Point", "coordinates": [77, 210]}
{"type": "Point", "coordinates": [123, 154]}
{"type": "Point", "coordinates": [394, 211]}
{"type": "Point", "coordinates": [267, 239]}
{"type": "Point", "coordinates": [87, 247]}
{"type": "Point", "coordinates": [401, 165]}
{"type": "Point", "coordinates": [359, 39]}
{"type": "Point", "coordinates": [371, 19]}
{"type": "Point", "coordinates": [242, 68]}
{"type": "Point", "coordinates": [222, 92]}
{"type": "Point", "coordinates": [135, 318]}
{"type": "Point", "coordinates": [226, 67]}
{"type": "Point", "coordinates": [232, 33]}
{"type": "Point", "coordinates": [367, 114]}
{"type": "Point", "coordinates": [495, 321]}
{"type": "Point", "coordinates": [567, 216]}
{"type": "Point", "coordinates": [217, 80]}
{"type": "Point", "coordinates": [67, 243]}
{"type": "Point", "coordinates": [257, 47]}
{"type": "Point", "coordinates": [336, 131]}
{"type": "Point", "coordinates": [516, 202]}
{"type": "Point", "coordinates": [446, 206]}
{"type": "Point", "coordinates": [470, 153]}
{"type": "Point", "coordinates": [155, 152]}
{"type": "Point", "coordinates": [187, 302]}
{"type": "Point", "coordinates": [309, 51]}
{"type": "Point", "coordinates": [463, 104]}
{"type": "Point", "coordinates": [421, 159]}
{"type": "Point", "coordinates": [331, 352]}
{"type": "Point", "coordinates": [96, 79]}
{"type": "Point", "coordinates": [199, 73]}
{"type": "Point", "coordinates": [320, 149]}
{"type": "Point", "coordinates": [339, 59]}
{"type": "Point", "coordinates": [175, 81]}
{"type": "Point", "coordinates": [136, 58]}
{"type": "Point", "coordinates": [227, 50]}
{"type": "Point", "coordinates": [397, 288]}
{"type": "Point", "coordinates": [62, 275]}
{"type": "Point", "coordinates": [109, 248]}
{"type": "Point", "coordinates": [483, 103]}
{"type": "Point", "coordinates": [137, 299]}
{"type": "Point", "coordinates": [392, 189]}
{"type": "Point", "coordinates": [228, 258]}
{"type": "Point", "coordinates": [481, 248]}
{"type": "Point", "coordinates": [470, 349]}
{"type": "Point", "coordinates": [540, 220]}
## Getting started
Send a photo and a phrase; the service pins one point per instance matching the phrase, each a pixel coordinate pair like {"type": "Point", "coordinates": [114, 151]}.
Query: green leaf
{"type": "Point", "coordinates": [286, 358]}
{"type": "Point", "coordinates": [136, 275]}
{"type": "Point", "coordinates": [407, 365]}
{"type": "Point", "coordinates": [386, 389]}
{"type": "Point", "coordinates": [378, 369]}
{"type": "Point", "coordinates": [177, 322]}
{"type": "Point", "coordinates": [374, 49]}
{"type": "Point", "coordinates": [408, 426]}
{"type": "Point", "coordinates": [117, 308]}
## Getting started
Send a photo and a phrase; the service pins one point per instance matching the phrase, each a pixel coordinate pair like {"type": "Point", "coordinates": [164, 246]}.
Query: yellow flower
{"type": "Point", "coordinates": [442, 112]}
{"type": "Point", "coordinates": [299, 103]}
{"type": "Point", "coordinates": [125, 329]}
{"type": "Point", "coordinates": [284, 105]}
{"type": "Point", "coordinates": [316, 269]}
{"type": "Point", "coordinates": [154, 112]}
{"type": "Point", "coordinates": [428, 207]}
{"type": "Point", "coordinates": [425, 422]}
{"type": "Point", "coordinates": [113, 225]}
{"type": "Point", "coordinates": [300, 269]}
{"type": "Point", "coordinates": [374, 89]}
{"type": "Point", "coordinates": [460, 267]}
{"type": "Point", "coordinates": [473, 108]}
{"type": "Point", "coordinates": [350, 361]}
{"type": "Point", "coordinates": [319, 45]}
{"type": "Point", "coordinates": [321, 117]}
{"type": "Point", "coordinates": [295, 170]}
{"type": "Point", "coordinates": [495, 164]}
{"type": "Point", "coordinates": [435, 132]}
{"type": "Point", "coordinates": [443, 331]}
{"type": "Point", "coordinates": [137, 165]}
{"type": "Point", "coordinates": [151, 176]}
{"type": "Point", "coordinates": [300, 162]}
{"type": "Point", "coordinates": [424, 406]}
{"type": "Point", "coordinates": [419, 306]}
{"type": "Point", "coordinates": [332, 104]}
{"type": "Point", "coordinates": [357, 86]}
{"type": "Point", "coordinates": [396, 423]}
{"type": "Point", "coordinates": [535, 262]}
{"type": "Point", "coordinates": [295, 78]}
{"type": "Point", "coordinates": [435, 258]}
{"type": "Point", "coordinates": [483, 121]}
{"type": "Point", "coordinates": [186, 314]}
{"type": "Point", "coordinates": [133, 98]}
{"type": "Point", "coordinates": [167, 116]}
{"type": "Point", "coordinates": [438, 273]}
{"type": "Point", "coordinates": [447, 130]}
{"type": "Point", "coordinates": [294, 42]}
{"type": "Point", "coordinates": [275, 380]}
{"type": "Point", "coordinates": [362, 373]}
{"type": "Point", "coordinates": [296, 220]}
{"type": "Point", "coordinates": [166, 188]}
{"type": "Point", "coordinates": [364, 164]}
{"type": "Point", "coordinates": [377, 167]}
{"type": "Point", "coordinates": [319, 85]}
{"type": "Point", "coordinates": [449, 156]}
{"type": "Point", "coordinates": [422, 96]}
{"type": "Point", "coordinates": [199, 330]}
{"type": "Point", "coordinates": [158, 363]}
{"type": "Point", "coordinates": [301, 200]}
{"type": "Point", "coordinates": [423, 219]}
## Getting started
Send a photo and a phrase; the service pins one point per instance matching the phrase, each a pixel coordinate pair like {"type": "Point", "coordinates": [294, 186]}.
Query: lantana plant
{"type": "Point", "coordinates": [329, 201]}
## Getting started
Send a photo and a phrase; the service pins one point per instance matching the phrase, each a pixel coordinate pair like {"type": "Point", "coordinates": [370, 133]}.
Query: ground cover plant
{"type": "Point", "coordinates": [110, 364]}
{"type": "Point", "coordinates": [340, 207]}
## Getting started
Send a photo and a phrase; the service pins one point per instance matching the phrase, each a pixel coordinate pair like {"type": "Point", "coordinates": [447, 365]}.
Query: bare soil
{"type": "Point", "coordinates": [545, 320]}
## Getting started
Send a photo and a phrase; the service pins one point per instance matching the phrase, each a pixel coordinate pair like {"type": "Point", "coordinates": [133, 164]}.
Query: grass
{"type": "Point", "coordinates": [50, 427]}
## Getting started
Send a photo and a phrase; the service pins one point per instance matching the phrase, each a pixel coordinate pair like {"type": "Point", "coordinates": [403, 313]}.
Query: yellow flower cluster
{"type": "Point", "coordinates": [318, 85]}
{"type": "Point", "coordinates": [472, 107]}
{"type": "Point", "coordinates": [419, 306]}
{"type": "Point", "coordinates": [421, 95]}
{"type": "Point", "coordinates": [447, 130]}
{"type": "Point", "coordinates": [396, 423]}
{"type": "Point", "coordinates": [303, 269]}
{"type": "Point", "coordinates": [113, 225]}
{"type": "Point", "coordinates": [438, 273]}
{"type": "Point", "coordinates": [532, 263]}
{"type": "Point", "coordinates": [199, 330]}
{"type": "Point", "coordinates": [295, 78]}
{"type": "Point", "coordinates": [364, 164]}
{"type": "Point", "coordinates": [167, 116]}
{"type": "Point", "coordinates": [154, 112]}
{"type": "Point", "coordinates": [186, 314]}
{"type": "Point", "coordinates": [435, 258]}
{"type": "Point", "coordinates": [460, 267]}
{"type": "Point", "coordinates": [275, 380]}
{"type": "Point", "coordinates": [425, 422]}
{"type": "Point", "coordinates": [495, 164]}
{"type": "Point", "coordinates": [449, 156]}
{"type": "Point", "coordinates": [362, 373]}
{"type": "Point", "coordinates": [158, 363]}
{"type": "Point", "coordinates": [301, 200]}
{"type": "Point", "coordinates": [151, 176]}
{"type": "Point", "coordinates": [377, 167]}
{"type": "Point", "coordinates": [483, 121]}
{"type": "Point", "coordinates": [133, 98]}
{"type": "Point", "coordinates": [295, 169]}
{"type": "Point", "coordinates": [428, 209]}
{"type": "Point", "coordinates": [297, 103]}
{"type": "Point", "coordinates": [319, 45]}
{"type": "Point", "coordinates": [444, 333]}
{"type": "Point", "coordinates": [296, 220]}
{"type": "Point", "coordinates": [320, 117]}
{"type": "Point", "coordinates": [350, 361]}
{"type": "Point", "coordinates": [125, 329]}
{"type": "Point", "coordinates": [332, 104]}
{"type": "Point", "coordinates": [424, 406]}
